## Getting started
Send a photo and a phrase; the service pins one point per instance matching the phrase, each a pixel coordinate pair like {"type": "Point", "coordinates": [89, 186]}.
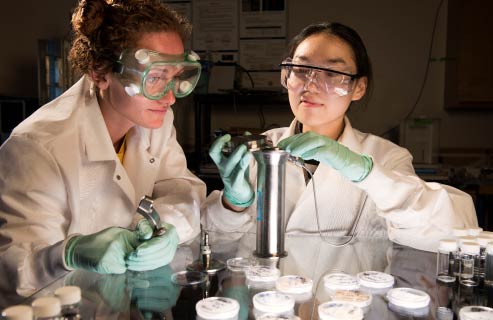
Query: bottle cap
{"type": "Point", "coordinates": [474, 231]}
{"type": "Point", "coordinates": [217, 308]}
{"type": "Point", "coordinates": [262, 273]}
{"type": "Point", "coordinates": [408, 298]}
{"type": "Point", "coordinates": [476, 313]}
{"type": "Point", "coordinates": [358, 298]}
{"type": "Point", "coordinates": [18, 312]}
{"type": "Point", "coordinates": [447, 245]}
{"type": "Point", "coordinates": [375, 279]}
{"type": "Point", "coordinates": [68, 295]}
{"type": "Point", "coordinates": [339, 311]}
{"type": "Point", "coordinates": [239, 264]}
{"type": "Point", "coordinates": [470, 248]}
{"type": "Point", "coordinates": [294, 284]}
{"type": "Point", "coordinates": [46, 307]}
{"type": "Point", "coordinates": [340, 281]}
{"type": "Point", "coordinates": [273, 301]}
{"type": "Point", "coordinates": [460, 232]}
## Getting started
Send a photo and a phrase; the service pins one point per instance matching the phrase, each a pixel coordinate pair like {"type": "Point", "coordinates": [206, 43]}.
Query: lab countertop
{"type": "Point", "coordinates": [152, 294]}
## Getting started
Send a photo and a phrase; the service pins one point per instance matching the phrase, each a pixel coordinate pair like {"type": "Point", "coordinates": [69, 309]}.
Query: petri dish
{"type": "Point", "coordinates": [273, 302]}
{"type": "Point", "coordinates": [408, 298]}
{"type": "Point", "coordinates": [293, 284]}
{"type": "Point", "coordinates": [239, 264]}
{"type": "Point", "coordinates": [188, 278]}
{"type": "Point", "coordinates": [339, 311]}
{"type": "Point", "coordinates": [375, 279]}
{"type": "Point", "coordinates": [358, 298]}
{"type": "Point", "coordinates": [340, 281]}
{"type": "Point", "coordinates": [217, 308]}
{"type": "Point", "coordinates": [475, 313]}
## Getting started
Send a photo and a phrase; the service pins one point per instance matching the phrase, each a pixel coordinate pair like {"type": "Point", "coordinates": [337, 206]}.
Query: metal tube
{"type": "Point", "coordinates": [271, 172]}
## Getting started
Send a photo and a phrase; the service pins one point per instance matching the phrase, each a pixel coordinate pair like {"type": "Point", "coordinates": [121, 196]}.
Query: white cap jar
{"type": "Point", "coordinates": [217, 308]}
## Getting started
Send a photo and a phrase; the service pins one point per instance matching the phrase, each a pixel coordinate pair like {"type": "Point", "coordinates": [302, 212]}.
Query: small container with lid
{"type": "Point", "coordinates": [261, 276]}
{"type": "Point", "coordinates": [18, 312]}
{"type": "Point", "coordinates": [340, 281]}
{"type": "Point", "coordinates": [475, 313]}
{"type": "Point", "coordinates": [375, 281]}
{"type": "Point", "coordinates": [408, 298]}
{"type": "Point", "coordinates": [273, 302]}
{"type": "Point", "coordinates": [339, 311]}
{"type": "Point", "coordinates": [358, 298]}
{"type": "Point", "coordinates": [474, 231]}
{"type": "Point", "coordinates": [483, 242]}
{"type": "Point", "coordinates": [469, 263]}
{"type": "Point", "coordinates": [240, 264]}
{"type": "Point", "coordinates": [47, 308]}
{"type": "Point", "coordinates": [300, 288]}
{"type": "Point", "coordinates": [270, 316]}
{"type": "Point", "coordinates": [446, 255]}
{"type": "Point", "coordinates": [217, 308]}
{"type": "Point", "coordinates": [69, 297]}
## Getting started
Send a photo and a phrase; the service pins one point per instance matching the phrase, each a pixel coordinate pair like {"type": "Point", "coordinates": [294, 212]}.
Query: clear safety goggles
{"type": "Point", "coordinates": [297, 77]}
{"type": "Point", "coordinates": [153, 74]}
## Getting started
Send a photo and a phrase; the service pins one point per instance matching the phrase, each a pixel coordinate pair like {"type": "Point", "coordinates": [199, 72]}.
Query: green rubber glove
{"type": "Point", "coordinates": [239, 291]}
{"type": "Point", "coordinates": [102, 252]}
{"type": "Point", "coordinates": [311, 145]}
{"type": "Point", "coordinates": [153, 252]}
{"type": "Point", "coordinates": [234, 172]}
{"type": "Point", "coordinates": [152, 291]}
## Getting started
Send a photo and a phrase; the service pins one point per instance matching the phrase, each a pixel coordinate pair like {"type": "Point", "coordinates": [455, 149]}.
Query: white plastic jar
{"type": "Point", "coordinates": [340, 281]}
{"type": "Point", "coordinates": [408, 298]}
{"type": "Point", "coordinates": [375, 279]}
{"type": "Point", "coordinates": [273, 302]}
{"type": "Point", "coordinates": [339, 311]}
{"type": "Point", "coordinates": [18, 312]}
{"type": "Point", "coordinates": [46, 308]}
{"type": "Point", "coordinates": [217, 308]}
{"type": "Point", "coordinates": [358, 298]}
{"type": "Point", "coordinates": [475, 313]}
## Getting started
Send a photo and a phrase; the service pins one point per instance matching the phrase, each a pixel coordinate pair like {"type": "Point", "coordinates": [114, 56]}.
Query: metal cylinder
{"type": "Point", "coordinates": [271, 174]}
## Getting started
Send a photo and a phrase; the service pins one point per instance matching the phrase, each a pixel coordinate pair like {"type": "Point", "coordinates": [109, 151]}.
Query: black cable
{"type": "Point", "coordinates": [248, 74]}
{"type": "Point", "coordinates": [420, 93]}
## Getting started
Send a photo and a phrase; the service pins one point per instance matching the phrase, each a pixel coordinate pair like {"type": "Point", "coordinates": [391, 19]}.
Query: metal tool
{"type": "Point", "coordinates": [146, 209]}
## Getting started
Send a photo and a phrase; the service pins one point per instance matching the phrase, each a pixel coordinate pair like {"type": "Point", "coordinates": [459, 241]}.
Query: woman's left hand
{"type": "Point", "coordinates": [313, 146]}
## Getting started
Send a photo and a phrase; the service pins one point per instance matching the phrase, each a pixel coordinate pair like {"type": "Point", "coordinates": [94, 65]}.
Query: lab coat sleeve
{"type": "Point", "coordinates": [33, 216]}
{"type": "Point", "coordinates": [178, 193]}
{"type": "Point", "coordinates": [418, 213]}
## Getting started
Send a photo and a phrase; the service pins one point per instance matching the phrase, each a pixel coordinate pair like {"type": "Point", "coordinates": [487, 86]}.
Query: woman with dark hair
{"type": "Point", "coordinates": [72, 174]}
{"type": "Point", "coordinates": [363, 184]}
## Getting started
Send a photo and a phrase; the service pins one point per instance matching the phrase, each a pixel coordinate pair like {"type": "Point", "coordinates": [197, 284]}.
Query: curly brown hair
{"type": "Point", "coordinates": [103, 28]}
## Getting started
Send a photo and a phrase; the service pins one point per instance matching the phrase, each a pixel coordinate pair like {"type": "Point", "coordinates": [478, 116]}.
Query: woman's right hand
{"type": "Point", "coordinates": [234, 172]}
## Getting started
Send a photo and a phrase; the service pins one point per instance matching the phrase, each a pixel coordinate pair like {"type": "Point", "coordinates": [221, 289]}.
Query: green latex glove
{"type": "Point", "coordinates": [234, 172]}
{"type": "Point", "coordinates": [153, 252]}
{"type": "Point", "coordinates": [153, 291]}
{"type": "Point", "coordinates": [102, 252]}
{"type": "Point", "coordinates": [238, 290]}
{"type": "Point", "coordinates": [311, 145]}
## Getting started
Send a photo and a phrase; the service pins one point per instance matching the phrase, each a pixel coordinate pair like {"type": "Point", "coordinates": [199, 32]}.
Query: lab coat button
{"type": "Point", "coordinates": [152, 160]}
{"type": "Point", "coordinates": [118, 177]}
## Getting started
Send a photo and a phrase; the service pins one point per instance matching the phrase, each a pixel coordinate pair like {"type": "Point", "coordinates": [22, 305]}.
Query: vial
{"type": "Point", "coordinates": [488, 267]}
{"type": "Point", "coordinates": [47, 308]}
{"type": "Point", "coordinates": [69, 297]}
{"type": "Point", "coordinates": [18, 312]}
{"type": "Point", "coordinates": [446, 255]}
{"type": "Point", "coordinates": [469, 261]}
{"type": "Point", "coordinates": [483, 242]}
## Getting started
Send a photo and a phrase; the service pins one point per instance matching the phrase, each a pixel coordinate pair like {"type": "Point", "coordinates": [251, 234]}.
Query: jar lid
{"type": "Point", "coordinates": [460, 232]}
{"type": "Point", "coordinates": [339, 311]}
{"type": "Point", "coordinates": [188, 278]}
{"type": "Point", "coordinates": [18, 312]}
{"type": "Point", "coordinates": [46, 307]}
{"type": "Point", "coordinates": [68, 295]}
{"type": "Point", "coordinates": [273, 301]}
{"type": "Point", "coordinates": [447, 245]}
{"type": "Point", "coordinates": [273, 316]}
{"type": "Point", "coordinates": [470, 248]}
{"type": "Point", "coordinates": [262, 273]}
{"type": "Point", "coordinates": [358, 298]}
{"type": "Point", "coordinates": [408, 298]}
{"type": "Point", "coordinates": [375, 279]}
{"type": "Point", "coordinates": [294, 284]}
{"type": "Point", "coordinates": [217, 308]}
{"type": "Point", "coordinates": [340, 281]}
{"type": "Point", "coordinates": [476, 313]}
{"type": "Point", "coordinates": [240, 264]}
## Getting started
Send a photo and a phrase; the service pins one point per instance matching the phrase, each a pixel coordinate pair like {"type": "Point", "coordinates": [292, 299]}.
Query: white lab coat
{"type": "Point", "coordinates": [393, 201]}
{"type": "Point", "coordinates": [60, 175]}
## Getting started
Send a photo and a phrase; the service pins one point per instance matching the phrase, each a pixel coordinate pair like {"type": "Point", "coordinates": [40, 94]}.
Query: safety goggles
{"type": "Point", "coordinates": [297, 77]}
{"type": "Point", "coordinates": [153, 74]}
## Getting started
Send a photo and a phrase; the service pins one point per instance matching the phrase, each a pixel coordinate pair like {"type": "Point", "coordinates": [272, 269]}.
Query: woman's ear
{"type": "Point", "coordinates": [360, 88]}
{"type": "Point", "coordinates": [100, 80]}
